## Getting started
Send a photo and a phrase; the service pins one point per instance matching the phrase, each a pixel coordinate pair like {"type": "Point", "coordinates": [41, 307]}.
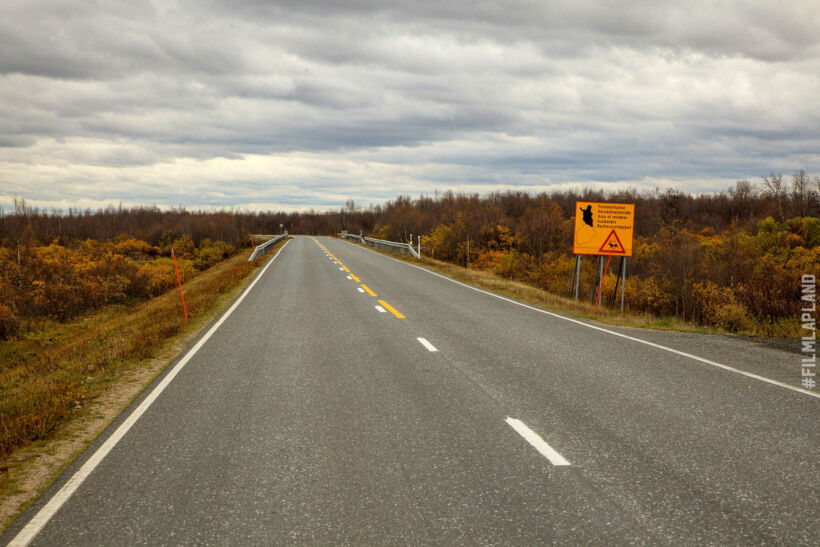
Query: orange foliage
{"type": "Point", "coordinates": [60, 282]}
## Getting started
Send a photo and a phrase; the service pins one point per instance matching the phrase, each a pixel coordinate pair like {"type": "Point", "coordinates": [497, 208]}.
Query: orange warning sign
{"type": "Point", "coordinates": [603, 228]}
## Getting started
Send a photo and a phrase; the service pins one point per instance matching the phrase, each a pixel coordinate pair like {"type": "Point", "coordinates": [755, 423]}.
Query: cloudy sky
{"type": "Point", "coordinates": [296, 104]}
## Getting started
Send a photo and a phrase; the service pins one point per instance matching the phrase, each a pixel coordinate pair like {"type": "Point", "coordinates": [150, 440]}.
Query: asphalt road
{"type": "Point", "coordinates": [314, 414]}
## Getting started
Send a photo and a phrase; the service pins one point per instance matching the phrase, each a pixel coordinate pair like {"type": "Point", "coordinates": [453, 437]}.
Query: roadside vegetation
{"type": "Point", "coordinates": [75, 310]}
{"type": "Point", "coordinates": [52, 371]}
{"type": "Point", "coordinates": [730, 261]}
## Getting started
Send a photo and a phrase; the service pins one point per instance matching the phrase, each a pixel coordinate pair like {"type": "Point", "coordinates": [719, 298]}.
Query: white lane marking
{"type": "Point", "coordinates": [350, 278]}
{"type": "Point", "coordinates": [360, 289]}
{"type": "Point", "coordinates": [381, 310]}
{"type": "Point", "coordinates": [536, 441]}
{"type": "Point", "coordinates": [426, 344]}
{"type": "Point", "coordinates": [37, 523]}
{"type": "Point", "coordinates": [340, 268]}
{"type": "Point", "coordinates": [612, 332]}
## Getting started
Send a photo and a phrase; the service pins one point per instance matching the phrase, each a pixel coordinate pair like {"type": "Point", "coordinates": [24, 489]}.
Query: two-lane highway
{"type": "Point", "coordinates": [352, 398]}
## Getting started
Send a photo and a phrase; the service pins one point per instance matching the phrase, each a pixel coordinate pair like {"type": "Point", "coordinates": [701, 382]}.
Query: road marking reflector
{"type": "Point", "coordinates": [367, 290]}
{"type": "Point", "coordinates": [426, 344]}
{"type": "Point", "coordinates": [536, 441]}
{"type": "Point", "coordinates": [381, 310]}
{"type": "Point", "coordinates": [391, 309]}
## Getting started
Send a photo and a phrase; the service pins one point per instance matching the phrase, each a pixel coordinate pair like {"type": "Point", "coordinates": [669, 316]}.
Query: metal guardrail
{"type": "Point", "coordinates": [392, 246]}
{"type": "Point", "coordinates": [263, 248]}
{"type": "Point", "coordinates": [354, 237]}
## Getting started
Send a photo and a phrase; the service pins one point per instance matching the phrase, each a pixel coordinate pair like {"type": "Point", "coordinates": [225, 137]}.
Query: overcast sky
{"type": "Point", "coordinates": [297, 104]}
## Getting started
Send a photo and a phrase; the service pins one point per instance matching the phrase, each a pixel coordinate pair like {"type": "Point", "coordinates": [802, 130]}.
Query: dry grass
{"type": "Point", "coordinates": [52, 374]}
{"type": "Point", "coordinates": [541, 298]}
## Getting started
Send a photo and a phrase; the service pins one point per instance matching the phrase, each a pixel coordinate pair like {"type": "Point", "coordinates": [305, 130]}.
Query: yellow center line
{"type": "Point", "coordinates": [387, 306]}
{"type": "Point", "coordinates": [391, 309]}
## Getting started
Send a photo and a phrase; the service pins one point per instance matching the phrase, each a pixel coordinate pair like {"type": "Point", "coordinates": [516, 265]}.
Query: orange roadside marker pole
{"type": "Point", "coordinates": [601, 286]}
{"type": "Point", "coordinates": [252, 245]}
{"type": "Point", "coordinates": [179, 282]}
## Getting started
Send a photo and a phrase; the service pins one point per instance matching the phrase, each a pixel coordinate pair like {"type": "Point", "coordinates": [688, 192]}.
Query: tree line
{"type": "Point", "coordinates": [731, 259]}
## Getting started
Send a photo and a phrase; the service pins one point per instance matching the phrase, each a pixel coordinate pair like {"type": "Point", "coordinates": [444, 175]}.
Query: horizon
{"type": "Point", "coordinates": [608, 194]}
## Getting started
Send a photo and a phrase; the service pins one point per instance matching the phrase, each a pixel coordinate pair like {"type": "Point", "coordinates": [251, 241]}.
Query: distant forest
{"type": "Point", "coordinates": [731, 259]}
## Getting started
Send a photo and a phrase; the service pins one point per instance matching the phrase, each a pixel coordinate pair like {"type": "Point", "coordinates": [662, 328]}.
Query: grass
{"type": "Point", "coordinates": [52, 374]}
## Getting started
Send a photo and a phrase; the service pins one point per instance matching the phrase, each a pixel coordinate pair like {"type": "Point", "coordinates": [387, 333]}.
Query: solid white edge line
{"type": "Point", "coordinates": [612, 332]}
{"type": "Point", "coordinates": [30, 531]}
{"type": "Point", "coordinates": [381, 310]}
{"type": "Point", "coordinates": [427, 344]}
{"type": "Point", "coordinates": [536, 441]}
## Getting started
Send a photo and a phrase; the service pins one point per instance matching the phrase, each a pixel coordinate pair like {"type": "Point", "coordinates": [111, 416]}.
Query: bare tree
{"type": "Point", "coordinates": [774, 187]}
{"type": "Point", "coordinates": [742, 194]}
{"type": "Point", "coordinates": [802, 192]}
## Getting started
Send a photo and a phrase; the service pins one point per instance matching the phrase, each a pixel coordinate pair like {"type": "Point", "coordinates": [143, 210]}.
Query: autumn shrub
{"type": "Point", "coordinates": [135, 249]}
{"type": "Point", "coordinates": [488, 259]}
{"type": "Point", "coordinates": [43, 388]}
{"type": "Point", "coordinates": [159, 275]}
{"type": "Point", "coordinates": [210, 253]}
{"type": "Point", "coordinates": [508, 265]}
{"type": "Point", "coordinates": [554, 274]}
{"type": "Point", "coordinates": [65, 278]}
{"type": "Point", "coordinates": [183, 246]}
{"type": "Point", "coordinates": [9, 323]}
{"type": "Point", "coordinates": [649, 295]}
{"type": "Point", "coordinates": [380, 232]}
{"type": "Point", "coordinates": [718, 306]}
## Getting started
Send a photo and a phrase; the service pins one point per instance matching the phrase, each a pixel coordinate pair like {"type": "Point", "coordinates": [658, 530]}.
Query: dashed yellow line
{"type": "Point", "coordinates": [367, 289]}
{"type": "Point", "coordinates": [391, 309]}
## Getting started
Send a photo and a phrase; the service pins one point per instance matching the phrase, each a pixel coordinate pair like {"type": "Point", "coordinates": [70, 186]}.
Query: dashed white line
{"type": "Point", "coordinates": [350, 278]}
{"type": "Point", "coordinates": [381, 310]}
{"type": "Point", "coordinates": [426, 344]}
{"type": "Point", "coordinates": [612, 332]}
{"type": "Point", "coordinates": [536, 441]}
{"type": "Point", "coordinates": [360, 289]}
{"type": "Point", "coordinates": [340, 268]}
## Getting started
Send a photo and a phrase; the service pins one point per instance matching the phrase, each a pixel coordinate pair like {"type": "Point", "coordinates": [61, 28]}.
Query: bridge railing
{"type": "Point", "coordinates": [353, 237]}
{"type": "Point", "coordinates": [392, 246]}
{"type": "Point", "coordinates": [263, 248]}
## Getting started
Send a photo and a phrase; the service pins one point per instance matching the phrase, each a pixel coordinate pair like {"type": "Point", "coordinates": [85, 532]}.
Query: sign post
{"type": "Point", "coordinates": [603, 229]}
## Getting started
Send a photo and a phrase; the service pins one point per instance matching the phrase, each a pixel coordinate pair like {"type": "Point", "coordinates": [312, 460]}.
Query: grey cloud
{"type": "Point", "coordinates": [426, 90]}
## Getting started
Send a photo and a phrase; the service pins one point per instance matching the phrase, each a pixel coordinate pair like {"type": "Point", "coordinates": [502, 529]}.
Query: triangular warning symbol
{"type": "Point", "coordinates": [612, 245]}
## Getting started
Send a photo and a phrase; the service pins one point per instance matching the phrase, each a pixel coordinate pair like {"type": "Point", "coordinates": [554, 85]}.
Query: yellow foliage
{"type": "Point", "coordinates": [381, 232]}
{"type": "Point", "coordinates": [718, 306]}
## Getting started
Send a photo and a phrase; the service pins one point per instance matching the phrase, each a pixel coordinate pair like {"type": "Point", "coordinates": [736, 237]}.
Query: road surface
{"type": "Point", "coordinates": [350, 398]}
